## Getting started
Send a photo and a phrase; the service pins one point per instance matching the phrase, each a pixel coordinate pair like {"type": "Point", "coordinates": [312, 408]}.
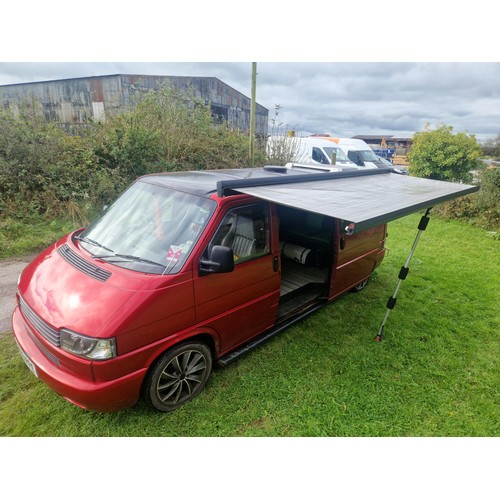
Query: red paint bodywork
{"type": "Point", "coordinates": [148, 314]}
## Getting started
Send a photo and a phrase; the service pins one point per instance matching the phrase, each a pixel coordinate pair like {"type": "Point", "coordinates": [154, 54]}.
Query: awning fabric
{"type": "Point", "coordinates": [365, 201]}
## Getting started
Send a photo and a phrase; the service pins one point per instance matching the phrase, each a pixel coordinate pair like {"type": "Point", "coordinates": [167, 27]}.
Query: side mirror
{"type": "Point", "coordinates": [221, 260]}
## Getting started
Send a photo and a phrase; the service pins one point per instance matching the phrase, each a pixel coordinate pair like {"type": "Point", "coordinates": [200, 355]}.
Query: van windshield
{"type": "Point", "coordinates": [341, 156]}
{"type": "Point", "coordinates": [368, 155]}
{"type": "Point", "coordinates": [149, 229]}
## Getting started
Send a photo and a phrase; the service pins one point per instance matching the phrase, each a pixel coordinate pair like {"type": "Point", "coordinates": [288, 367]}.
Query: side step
{"type": "Point", "coordinates": [236, 354]}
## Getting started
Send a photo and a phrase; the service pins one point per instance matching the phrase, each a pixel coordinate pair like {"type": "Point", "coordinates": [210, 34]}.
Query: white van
{"type": "Point", "coordinates": [358, 151]}
{"type": "Point", "coordinates": [309, 150]}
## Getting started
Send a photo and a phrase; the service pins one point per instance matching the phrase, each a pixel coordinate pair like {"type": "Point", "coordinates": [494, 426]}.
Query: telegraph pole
{"type": "Point", "coordinates": [252, 113]}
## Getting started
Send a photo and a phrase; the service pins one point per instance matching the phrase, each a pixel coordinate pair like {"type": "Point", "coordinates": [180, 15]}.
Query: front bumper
{"type": "Point", "coordinates": [106, 396]}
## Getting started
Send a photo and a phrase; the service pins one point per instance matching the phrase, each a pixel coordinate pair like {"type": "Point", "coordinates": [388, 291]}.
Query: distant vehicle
{"type": "Point", "coordinates": [396, 168]}
{"type": "Point", "coordinates": [309, 150]}
{"type": "Point", "coordinates": [358, 151]}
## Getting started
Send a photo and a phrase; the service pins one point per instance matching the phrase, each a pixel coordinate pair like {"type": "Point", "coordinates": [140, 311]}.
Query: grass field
{"type": "Point", "coordinates": [436, 373]}
{"type": "Point", "coordinates": [22, 237]}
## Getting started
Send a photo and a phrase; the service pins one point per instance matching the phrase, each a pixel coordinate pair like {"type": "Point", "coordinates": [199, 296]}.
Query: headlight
{"type": "Point", "coordinates": [87, 347]}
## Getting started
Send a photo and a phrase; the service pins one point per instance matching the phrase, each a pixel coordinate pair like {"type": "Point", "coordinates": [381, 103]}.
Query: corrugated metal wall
{"type": "Point", "coordinates": [75, 101]}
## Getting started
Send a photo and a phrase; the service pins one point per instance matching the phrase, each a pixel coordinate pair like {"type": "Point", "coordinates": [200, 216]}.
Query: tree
{"type": "Point", "coordinates": [492, 147]}
{"type": "Point", "coordinates": [439, 154]}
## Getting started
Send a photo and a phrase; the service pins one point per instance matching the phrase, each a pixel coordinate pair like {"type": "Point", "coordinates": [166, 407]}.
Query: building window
{"type": "Point", "coordinates": [220, 113]}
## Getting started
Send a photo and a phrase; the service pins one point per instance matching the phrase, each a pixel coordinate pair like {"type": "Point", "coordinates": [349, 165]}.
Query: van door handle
{"type": "Point", "coordinates": [275, 264]}
{"type": "Point", "coordinates": [342, 243]}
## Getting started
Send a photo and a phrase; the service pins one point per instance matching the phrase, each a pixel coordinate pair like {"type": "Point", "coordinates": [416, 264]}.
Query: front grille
{"type": "Point", "coordinates": [82, 265]}
{"type": "Point", "coordinates": [45, 330]}
{"type": "Point", "coordinates": [43, 349]}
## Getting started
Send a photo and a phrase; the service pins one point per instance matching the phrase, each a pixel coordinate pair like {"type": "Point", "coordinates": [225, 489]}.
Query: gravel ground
{"type": "Point", "coordinates": [9, 272]}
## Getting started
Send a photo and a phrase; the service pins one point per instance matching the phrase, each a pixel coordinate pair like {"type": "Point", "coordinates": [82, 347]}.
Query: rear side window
{"type": "Point", "coordinates": [246, 231]}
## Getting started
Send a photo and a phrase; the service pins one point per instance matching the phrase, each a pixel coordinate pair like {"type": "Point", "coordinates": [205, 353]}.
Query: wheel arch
{"type": "Point", "coordinates": [210, 338]}
{"type": "Point", "coordinates": [203, 338]}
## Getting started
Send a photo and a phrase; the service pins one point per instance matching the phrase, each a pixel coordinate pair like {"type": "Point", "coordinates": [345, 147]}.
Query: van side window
{"type": "Point", "coordinates": [319, 156]}
{"type": "Point", "coordinates": [246, 231]}
{"type": "Point", "coordinates": [356, 158]}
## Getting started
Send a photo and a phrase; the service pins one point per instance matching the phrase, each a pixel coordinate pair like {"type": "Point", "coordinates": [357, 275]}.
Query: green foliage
{"type": "Point", "coordinates": [22, 237]}
{"type": "Point", "coordinates": [489, 193]}
{"type": "Point", "coordinates": [126, 145]}
{"type": "Point", "coordinates": [28, 146]}
{"type": "Point", "coordinates": [170, 130]}
{"type": "Point", "coordinates": [46, 171]}
{"type": "Point", "coordinates": [43, 170]}
{"type": "Point", "coordinates": [481, 209]}
{"type": "Point", "coordinates": [439, 154]}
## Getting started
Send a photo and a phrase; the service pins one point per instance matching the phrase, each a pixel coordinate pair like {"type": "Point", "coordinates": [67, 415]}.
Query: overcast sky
{"type": "Point", "coordinates": [339, 94]}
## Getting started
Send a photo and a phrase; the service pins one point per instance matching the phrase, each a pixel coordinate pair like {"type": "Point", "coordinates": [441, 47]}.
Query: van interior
{"type": "Point", "coordinates": [306, 241]}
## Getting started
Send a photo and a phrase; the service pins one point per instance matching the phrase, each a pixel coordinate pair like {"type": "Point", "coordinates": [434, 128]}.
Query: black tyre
{"type": "Point", "coordinates": [360, 286]}
{"type": "Point", "coordinates": [178, 376]}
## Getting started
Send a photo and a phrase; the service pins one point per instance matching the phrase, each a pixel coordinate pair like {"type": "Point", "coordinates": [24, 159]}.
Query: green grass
{"type": "Point", "coordinates": [436, 373]}
{"type": "Point", "coordinates": [18, 237]}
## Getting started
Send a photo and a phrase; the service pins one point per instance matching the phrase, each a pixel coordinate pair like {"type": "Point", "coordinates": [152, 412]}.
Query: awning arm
{"type": "Point", "coordinates": [403, 273]}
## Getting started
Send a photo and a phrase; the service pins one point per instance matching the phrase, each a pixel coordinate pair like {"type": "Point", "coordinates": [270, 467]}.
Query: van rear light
{"type": "Point", "coordinates": [88, 347]}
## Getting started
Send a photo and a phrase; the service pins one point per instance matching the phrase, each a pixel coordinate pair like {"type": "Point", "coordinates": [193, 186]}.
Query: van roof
{"type": "Point", "coordinates": [341, 141]}
{"type": "Point", "coordinates": [318, 140]}
{"type": "Point", "coordinates": [204, 182]}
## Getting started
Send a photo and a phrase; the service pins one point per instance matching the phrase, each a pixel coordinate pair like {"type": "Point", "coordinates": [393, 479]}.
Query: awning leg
{"type": "Point", "coordinates": [403, 273]}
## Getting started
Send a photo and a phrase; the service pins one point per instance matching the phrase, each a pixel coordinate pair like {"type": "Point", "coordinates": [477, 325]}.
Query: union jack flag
{"type": "Point", "coordinates": [174, 253]}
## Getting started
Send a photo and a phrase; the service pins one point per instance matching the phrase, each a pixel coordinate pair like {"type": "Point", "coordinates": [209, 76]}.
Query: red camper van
{"type": "Point", "coordinates": [188, 269]}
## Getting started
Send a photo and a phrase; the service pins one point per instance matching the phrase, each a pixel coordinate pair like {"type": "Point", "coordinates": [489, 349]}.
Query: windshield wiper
{"type": "Point", "coordinates": [126, 257]}
{"type": "Point", "coordinates": [92, 242]}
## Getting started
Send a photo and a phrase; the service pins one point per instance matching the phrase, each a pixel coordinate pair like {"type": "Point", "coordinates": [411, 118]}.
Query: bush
{"type": "Point", "coordinates": [439, 154]}
{"type": "Point", "coordinates": [169, 130]}
{"type": "Point", "coordinates": [481, 208]}
{"type": "Point", "coordinates": [46, 171]}
{"type": "Point", "coordinates": [29, 147]}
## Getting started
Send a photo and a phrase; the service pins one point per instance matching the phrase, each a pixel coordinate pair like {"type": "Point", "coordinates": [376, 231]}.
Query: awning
{"type": "Point", "coordinates": [365, 200]}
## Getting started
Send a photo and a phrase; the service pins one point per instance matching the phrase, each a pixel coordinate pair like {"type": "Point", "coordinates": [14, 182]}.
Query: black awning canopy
{"type": "Point", "coordinates": [365, 201]}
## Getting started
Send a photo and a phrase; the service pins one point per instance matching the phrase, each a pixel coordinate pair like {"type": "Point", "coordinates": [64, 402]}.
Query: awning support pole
{"type": "Point", "coordinates": [403, 273]}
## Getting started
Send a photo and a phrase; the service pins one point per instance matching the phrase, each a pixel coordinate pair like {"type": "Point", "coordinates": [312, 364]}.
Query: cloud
{"type": "Point", "coordinates": [340, 98]}
{"type": "Point", "coordinates": [357, 98]}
